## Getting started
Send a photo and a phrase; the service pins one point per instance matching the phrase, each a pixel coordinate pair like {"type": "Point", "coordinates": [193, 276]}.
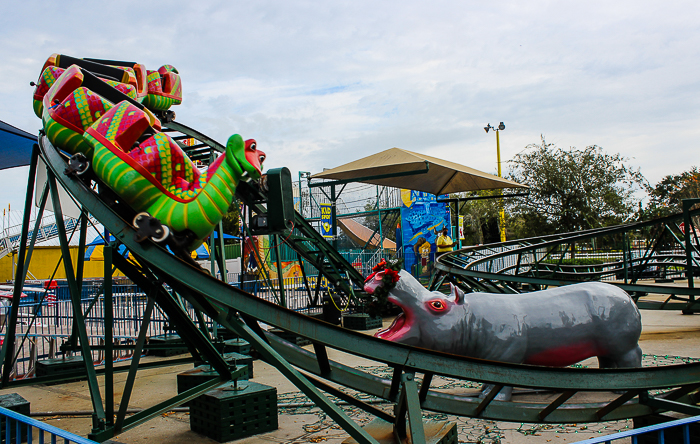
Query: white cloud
{"type": "Point", "coordinates": [319, 84]}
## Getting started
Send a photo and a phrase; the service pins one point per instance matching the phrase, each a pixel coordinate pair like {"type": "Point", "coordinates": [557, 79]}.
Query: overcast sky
{"type": "Point", "coordinates": [319, 84]}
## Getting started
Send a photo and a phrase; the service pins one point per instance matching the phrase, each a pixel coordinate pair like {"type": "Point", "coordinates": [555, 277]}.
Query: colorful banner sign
{"type": "Point", "coordinates": [461, 227]}
{"type": "Point", "coordinates": [326, 220]}
{"type": "Point", "coordinates": [422, 217]}
{"type": "Point", "coordinates": [290, 269]}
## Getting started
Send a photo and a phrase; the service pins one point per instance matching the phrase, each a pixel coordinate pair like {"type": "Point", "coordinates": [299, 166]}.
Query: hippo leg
{"type": "Point", "coordinates": [630, 359]}
{"type": "Point", "coordinates": [606, 362]}
{"type": "Point", "coordinates": [504, 395]}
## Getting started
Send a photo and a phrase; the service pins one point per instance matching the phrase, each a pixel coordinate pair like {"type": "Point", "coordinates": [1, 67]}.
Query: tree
{"type": "Point", "coordinates": [230, 221]}
{"type": "Point", "coordinates": [571, 190]}
{"type": "Point", "coordinates": [480, 218]}
{"type": "Point", "coordinates": [667, 196]}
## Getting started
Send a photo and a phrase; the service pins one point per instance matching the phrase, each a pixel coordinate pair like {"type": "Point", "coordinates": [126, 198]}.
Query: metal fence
{"type": "Point", "coordinates": [15, 428]}
{"type": "Point", "coordinates": [672, 432]}
{"type": "Point", "coordinates": [296, 296]}
{"type": "Point", "coordinates": [45, 323]}
{"type": "Point", "coordinates": [45, 320]}
{"type": "Point", "coordinates": [612, 259]}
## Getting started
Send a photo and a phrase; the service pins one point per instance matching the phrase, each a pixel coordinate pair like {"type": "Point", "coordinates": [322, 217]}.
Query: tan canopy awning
{"type": "Point", "coordinates": [405, 169]}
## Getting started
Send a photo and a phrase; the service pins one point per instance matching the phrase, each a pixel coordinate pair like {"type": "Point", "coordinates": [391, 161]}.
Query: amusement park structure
{"type": "Point", "coordinates": [194, 301]}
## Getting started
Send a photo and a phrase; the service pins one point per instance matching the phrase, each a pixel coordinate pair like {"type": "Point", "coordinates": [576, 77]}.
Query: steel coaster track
{"type": "Point", "coordinates": [304, 239]}
{"type": "Point", "coordinates": [506, 267]}
{"type": "Point", "coordinates": [242, 313]}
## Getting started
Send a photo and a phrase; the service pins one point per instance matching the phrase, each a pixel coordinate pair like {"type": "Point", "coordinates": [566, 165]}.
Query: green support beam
{"type": "Point", "coordinates": [8, 346]}
{"type": "Point", "coordinates": [78, 318]}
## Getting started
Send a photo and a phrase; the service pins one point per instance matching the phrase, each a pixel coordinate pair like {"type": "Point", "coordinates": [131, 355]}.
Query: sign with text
{"type": "Point", "coordinates": [326, 220]}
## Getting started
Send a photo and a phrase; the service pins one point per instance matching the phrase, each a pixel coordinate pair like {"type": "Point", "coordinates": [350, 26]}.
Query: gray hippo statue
{"type": "Point", "coordinates": [555, 327]}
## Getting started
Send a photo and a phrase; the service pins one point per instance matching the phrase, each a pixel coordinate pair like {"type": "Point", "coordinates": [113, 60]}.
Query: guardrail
{"type": "Point", "coordinates": [45, 321]}
{"type": "Point", "coordinates": [661, 253]}
{"type": "Point", "coordinates": [660, 429]}
{"type": "Point", "coordinates": [14, 425]}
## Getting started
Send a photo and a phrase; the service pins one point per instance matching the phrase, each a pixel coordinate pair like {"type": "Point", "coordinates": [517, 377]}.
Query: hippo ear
{"type": "Point", "coordinates": [458, 294]}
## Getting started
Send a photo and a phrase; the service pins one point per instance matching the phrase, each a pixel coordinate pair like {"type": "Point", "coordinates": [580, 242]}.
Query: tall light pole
{"type": "Point", "coordinates": [303, 175]}
{"type": "Point", "coordinates": [501, 212]}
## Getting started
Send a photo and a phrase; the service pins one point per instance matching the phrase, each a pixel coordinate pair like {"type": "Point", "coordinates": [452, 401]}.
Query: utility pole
{"type": "Point", "coordinates": [501, 212]}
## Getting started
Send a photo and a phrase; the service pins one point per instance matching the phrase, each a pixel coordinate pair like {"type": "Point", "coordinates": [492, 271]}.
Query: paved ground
{"type": "Point", "coordinates": [665, 334]}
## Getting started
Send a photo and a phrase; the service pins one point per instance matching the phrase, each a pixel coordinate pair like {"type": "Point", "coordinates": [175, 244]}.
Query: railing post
{"type": "Point", "coordinates": [687, 203]}
{"type": "Point", "coordinates": [109, 334]}
{"type": "Point", "coordinates": [626, 256]}
{"type": "Point", "coordinates": [280, 277]}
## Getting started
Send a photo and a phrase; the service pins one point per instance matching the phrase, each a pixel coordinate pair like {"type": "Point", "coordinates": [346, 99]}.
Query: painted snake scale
{"type": "Point", "coordinates": [112, 123]}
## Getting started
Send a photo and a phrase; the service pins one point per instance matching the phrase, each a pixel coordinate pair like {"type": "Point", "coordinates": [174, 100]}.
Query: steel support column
{"type": "Point", "coordinates": [409, 406]}
{"type": "Point", "coordinates": [109, 334]}
{"type": "Point", "coordinates": [9, 343]}
{"type": "Point", "coordinates": [78, 319]}
{"type": "Point", "coordinates": [236, 324]}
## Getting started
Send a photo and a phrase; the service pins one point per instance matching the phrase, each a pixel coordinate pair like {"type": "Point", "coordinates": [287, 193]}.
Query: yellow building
{"type": "Point", "coordinates": [45, 260]}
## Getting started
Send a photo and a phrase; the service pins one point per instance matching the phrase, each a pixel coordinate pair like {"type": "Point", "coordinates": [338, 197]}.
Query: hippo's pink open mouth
{"type": "Point", "coordinates": [398, 328]}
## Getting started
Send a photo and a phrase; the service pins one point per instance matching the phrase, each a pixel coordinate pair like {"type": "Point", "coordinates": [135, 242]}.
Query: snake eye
{"type": "Point", "coordinates": [262, 159]}
{"type": "Point", "coordinates": [437, 305]}
{"type": "Point", "coordinates": [252, 146]}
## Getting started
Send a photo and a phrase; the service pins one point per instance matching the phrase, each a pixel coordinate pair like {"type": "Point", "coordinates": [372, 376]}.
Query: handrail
{"type": "Point", "coordinates": [502, 267]}
{"type": "Point", "coordinates": [685, 423]}
{"type": "Point", "coordinates": [10, 430]}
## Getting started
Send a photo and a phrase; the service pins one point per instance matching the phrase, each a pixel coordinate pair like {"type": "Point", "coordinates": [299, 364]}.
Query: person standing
{"type": "Point", "coordinates": [444, 243]}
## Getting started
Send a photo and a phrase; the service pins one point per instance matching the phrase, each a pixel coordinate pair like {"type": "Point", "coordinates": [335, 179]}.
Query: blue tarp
{"type": "Point", "coordinates": [202, 252]}
{"type": "Point", "coordinates": [215, 234]}
{"type": "Point", "coordinates": [95, 248]}
{"type": "Point", "coordinates": [15, 146]}
{"type": "Point", "coordinates": [99, 240]}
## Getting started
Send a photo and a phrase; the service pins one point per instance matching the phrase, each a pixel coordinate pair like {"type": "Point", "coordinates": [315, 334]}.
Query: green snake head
{"type": "Point", "coordinates": [245, 155]}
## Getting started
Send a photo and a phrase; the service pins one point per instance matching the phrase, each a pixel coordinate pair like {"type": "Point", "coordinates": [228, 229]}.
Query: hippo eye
{"type": "Point", "coordinates": [437, 305]}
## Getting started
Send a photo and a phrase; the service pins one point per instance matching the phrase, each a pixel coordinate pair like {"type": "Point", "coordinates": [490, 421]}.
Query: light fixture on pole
{"type": "Point", "coordinates": [307, 176]}
{"type": "Point", "coordinates": [501, 212]}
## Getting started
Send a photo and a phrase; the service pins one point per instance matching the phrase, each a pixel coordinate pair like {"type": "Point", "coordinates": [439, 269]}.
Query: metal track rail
{"type": "Point", "coordinates": [242, 312]}
{"type": "Point", "coordinates": [531, 264]}
{"type": "Point", "coordinates": [304, 239]}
